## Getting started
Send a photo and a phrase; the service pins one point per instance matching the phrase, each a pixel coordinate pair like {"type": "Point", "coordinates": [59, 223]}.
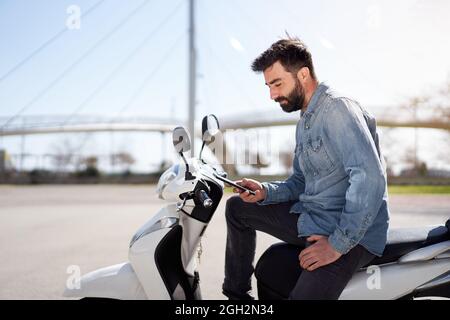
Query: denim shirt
{"type": "Point", "coordinates": [339, 177]}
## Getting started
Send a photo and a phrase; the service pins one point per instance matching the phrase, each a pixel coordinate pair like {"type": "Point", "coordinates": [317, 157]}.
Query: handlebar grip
{"type": "Point", "coordinates": [203, 197]}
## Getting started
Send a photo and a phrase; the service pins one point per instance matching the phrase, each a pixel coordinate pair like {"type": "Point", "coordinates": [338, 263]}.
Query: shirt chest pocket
{"type": "Point", "coordinates": [317, 156]}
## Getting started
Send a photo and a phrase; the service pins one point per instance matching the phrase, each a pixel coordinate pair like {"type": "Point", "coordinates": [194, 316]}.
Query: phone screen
{"type": "Point", "coordinates": [234, 184]}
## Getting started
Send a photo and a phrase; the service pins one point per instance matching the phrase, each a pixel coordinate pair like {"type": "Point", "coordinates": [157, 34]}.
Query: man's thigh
{"type": "Point", "coordinates": [274, 219]}
{"type": "Point", "coordinates": [329, 281]}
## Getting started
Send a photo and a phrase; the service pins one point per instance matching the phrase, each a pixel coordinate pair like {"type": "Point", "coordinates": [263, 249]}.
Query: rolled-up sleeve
{"type": "Point", "coordinates": [352, 142]}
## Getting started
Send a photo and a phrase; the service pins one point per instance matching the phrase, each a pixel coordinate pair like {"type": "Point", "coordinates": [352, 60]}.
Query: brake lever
{"type": "Point", "coordinates": [180, 206]}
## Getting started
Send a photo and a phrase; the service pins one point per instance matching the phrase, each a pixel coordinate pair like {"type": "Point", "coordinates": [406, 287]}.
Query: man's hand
{"type": "Point", "coordinates": [252, 185]}
{"type": "Point", "coordinates": [318, 254]}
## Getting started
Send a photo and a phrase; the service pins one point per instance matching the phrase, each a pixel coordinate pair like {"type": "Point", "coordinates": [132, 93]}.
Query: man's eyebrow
{"type": "Point", "coordinates": [273, 81]}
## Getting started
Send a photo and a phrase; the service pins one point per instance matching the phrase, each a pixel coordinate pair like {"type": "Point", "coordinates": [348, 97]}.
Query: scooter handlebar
{"type": "Point", "coordinates": [203, 197]}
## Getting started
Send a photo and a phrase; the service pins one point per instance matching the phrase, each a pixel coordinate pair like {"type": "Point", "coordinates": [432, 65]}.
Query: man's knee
{"type": "Point", "coordinates": [233, 207]}
{"type": "Point", "coordinates": [234, 203]}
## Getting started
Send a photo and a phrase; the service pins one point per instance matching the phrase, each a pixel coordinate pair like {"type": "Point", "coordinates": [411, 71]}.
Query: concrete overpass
{"type": "Point", "coordinates": [29, 126]}
{"type": "Point", "coordinates": [38, 125]}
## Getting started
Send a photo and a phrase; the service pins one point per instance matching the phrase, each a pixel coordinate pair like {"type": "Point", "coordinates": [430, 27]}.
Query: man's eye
{"type": "Point", "coordinates": [278, 85]}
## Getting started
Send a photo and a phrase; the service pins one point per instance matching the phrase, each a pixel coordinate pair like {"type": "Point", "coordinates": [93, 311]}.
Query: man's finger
{"type": "Point", "coordinates": [251, 198]}
{"type": "Point", "coordinates": [307, 255]}
{"type": "Point", "coordinates": [314, 266]}
{"type": "Point", "coordinates": [302, 254]}
{"type": "Point", "coordinates": [308, 261]}
{"type": "Point", "coordinates": [314, 237]}
{"type": "Point", "coordinates": [245, 195]}
{"type": "Point", "coordinates": [249, 184]}
{"type": "Point", "coordinates": [307, 251]}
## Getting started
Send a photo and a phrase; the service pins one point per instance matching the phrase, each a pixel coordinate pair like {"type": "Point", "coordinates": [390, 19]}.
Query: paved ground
{"type": "Point", "coordinates": [45, 229]}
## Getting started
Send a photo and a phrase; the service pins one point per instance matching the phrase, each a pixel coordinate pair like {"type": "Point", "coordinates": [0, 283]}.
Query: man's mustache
{"type": "Point", "coordinates": [279, 99]}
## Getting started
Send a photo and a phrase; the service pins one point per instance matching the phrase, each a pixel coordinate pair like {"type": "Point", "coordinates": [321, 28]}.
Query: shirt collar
{"type": "Point", "coordinates": [314, 101]}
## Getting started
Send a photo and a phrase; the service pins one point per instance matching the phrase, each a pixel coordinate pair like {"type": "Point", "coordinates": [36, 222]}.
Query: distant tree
{"type": "Point", "coordinates": [435, 106]}
{"type": "Point", "coordinates": [390, 150]}
{"type": "Point", "coordinates": [90, 169]}
{"type": "Point", "coordinates": [286, 158]}
{"type": "Point", "coordinates": [63, 155]}
{"type": "Point", "coordinates": [124, 160]}
{"type": "Point", "coordinates": [422, 169]}
{"type": "Point", "coordinates": [416, 166]}
{"type": "Point", "coordinates": [441, 103]}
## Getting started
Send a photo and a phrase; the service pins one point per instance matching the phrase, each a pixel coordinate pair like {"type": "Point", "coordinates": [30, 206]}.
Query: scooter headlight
{"type": "Point", "coordinates": [168, 176]}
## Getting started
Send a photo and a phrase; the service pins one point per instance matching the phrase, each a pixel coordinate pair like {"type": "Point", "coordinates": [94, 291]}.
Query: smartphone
{"type": "Point", "coordinates": [227, 181]}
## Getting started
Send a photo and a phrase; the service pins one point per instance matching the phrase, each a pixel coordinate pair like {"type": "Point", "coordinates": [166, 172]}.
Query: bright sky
{"type": "Point", "coordinates": [379, 52]}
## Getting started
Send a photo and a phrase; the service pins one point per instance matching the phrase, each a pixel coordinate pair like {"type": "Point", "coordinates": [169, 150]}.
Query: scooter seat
{"type": "Point", "coordinates": [404, 240]}
{"type": "Point", "coordinates": [276, 280]}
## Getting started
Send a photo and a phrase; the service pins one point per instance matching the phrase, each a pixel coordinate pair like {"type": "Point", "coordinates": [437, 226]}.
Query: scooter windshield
{"type": "Point", "coordinates": [168, 176]}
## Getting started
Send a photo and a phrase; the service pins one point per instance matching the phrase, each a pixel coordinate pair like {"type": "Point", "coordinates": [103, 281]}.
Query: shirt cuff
{"type": "Point", "coordinates": [268, 190]}
{"type": "Point", "coordinates": [340, 242]}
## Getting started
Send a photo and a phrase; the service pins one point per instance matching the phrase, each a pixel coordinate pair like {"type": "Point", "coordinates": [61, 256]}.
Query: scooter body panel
{"type": "Point", "coordinates": [165, 218]}
{"type": "Point", "coordinates": [393, 281]}
{"type": "Point", "coordinates": [142, 258]}
{"type": "Point", "coordinates": [192, 234]}
{"type": "Point", "coordinates": [114, 282]}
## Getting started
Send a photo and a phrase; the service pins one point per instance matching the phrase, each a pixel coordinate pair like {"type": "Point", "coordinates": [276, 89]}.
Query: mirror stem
{"type": "Point", "coordinates": [188, 174]}
{"type": "Point", "coordinates": [201, 150]}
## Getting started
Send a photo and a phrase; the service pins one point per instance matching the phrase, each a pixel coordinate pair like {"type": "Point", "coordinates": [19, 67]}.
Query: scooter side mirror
{"type": "Point", "coordinates": [210, 128]}
{"type": "Point", "coordinates": [182, 143]}
{"type": "Point", "coordinates": [181, 140]}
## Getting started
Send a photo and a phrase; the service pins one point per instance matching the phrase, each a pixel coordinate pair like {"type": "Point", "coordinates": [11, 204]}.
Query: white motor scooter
{"type": "Point", "coordinates": [163, 252]}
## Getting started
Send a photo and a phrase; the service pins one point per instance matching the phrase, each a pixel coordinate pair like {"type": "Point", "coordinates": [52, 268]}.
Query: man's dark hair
{"type": "Point", "coordinates": [292, 54]}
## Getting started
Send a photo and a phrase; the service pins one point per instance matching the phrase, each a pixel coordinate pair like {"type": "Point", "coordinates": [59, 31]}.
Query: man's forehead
{"type": "Point", "coordinates": [274, 73]}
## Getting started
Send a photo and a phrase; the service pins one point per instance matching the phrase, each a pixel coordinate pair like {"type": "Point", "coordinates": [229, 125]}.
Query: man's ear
{"type": "Point", "coordinates": [303, 74]}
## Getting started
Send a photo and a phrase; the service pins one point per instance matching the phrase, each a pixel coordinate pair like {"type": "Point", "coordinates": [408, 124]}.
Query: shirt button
{"type": "Point", "coordinates": [315, 173]}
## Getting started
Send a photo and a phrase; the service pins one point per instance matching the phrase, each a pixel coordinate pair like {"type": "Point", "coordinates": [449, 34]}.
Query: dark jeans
{"type": "Point", "coordinates": [243, 219]}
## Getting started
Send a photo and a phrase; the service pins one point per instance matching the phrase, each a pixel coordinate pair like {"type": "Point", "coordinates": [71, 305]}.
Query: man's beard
{"type": "Point", "coordinates": [295, 99]}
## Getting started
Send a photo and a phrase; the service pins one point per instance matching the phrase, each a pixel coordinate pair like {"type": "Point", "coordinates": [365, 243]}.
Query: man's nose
{"type": "Point", "coordinates": [273, 94]}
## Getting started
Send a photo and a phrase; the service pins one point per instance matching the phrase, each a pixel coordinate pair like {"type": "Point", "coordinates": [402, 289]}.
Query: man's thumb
{"type": "Point", "coordinates": [313, 238]}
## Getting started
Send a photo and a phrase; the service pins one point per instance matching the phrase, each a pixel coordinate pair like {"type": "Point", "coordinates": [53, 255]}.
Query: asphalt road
{"type": "Point", "coordinates": [46, 229]}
